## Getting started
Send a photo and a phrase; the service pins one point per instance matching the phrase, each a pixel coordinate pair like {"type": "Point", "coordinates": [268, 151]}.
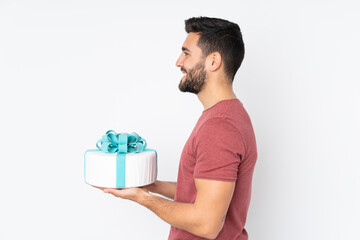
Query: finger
{"type": "Point", "coordinates": [112, 191]}
{"type": "Point", "coordinates": [145, 189]}
{"type": "Point", "coordinates": [101, 188]}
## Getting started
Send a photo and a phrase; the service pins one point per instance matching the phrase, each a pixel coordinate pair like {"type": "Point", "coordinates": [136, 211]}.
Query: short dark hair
{"type": "Point", "coordinates": [219, 35]}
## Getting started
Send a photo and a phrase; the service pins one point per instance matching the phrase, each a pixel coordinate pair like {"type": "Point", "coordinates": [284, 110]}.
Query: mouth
{"type": "Point", "coordinates": [184, 74]}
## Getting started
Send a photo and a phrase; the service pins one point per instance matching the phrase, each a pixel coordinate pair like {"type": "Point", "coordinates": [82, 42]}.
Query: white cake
{"type": "Point", "coordinates": [121, 160]}
{"type": "Point", "coordinates": [102, 170]}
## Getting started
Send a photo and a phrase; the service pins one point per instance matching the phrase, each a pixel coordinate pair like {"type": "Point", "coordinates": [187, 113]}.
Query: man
{"type": "Point", "coordinates": [212, 194]}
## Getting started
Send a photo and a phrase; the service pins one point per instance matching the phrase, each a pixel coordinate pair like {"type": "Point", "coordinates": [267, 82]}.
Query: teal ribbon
{"type": "Point", "coordinates": [121, 143]}
{"type": "Point", "coordinates": [113, 142]}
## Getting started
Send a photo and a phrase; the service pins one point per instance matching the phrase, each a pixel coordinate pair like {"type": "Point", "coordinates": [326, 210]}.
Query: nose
{"type": "Point", "coordinates": [180, 61]}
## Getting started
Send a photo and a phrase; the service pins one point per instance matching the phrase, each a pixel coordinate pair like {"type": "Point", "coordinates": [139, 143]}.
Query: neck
{"type": "Point", "coordinates": [214, 92]}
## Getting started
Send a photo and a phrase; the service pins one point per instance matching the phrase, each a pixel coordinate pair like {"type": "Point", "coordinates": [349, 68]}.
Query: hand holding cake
{"type": "Point", "coordinates": [133, 194]}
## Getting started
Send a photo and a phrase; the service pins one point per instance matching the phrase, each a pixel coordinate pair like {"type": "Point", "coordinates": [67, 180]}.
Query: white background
{"type": "Point", "coordinates": [70, 70]}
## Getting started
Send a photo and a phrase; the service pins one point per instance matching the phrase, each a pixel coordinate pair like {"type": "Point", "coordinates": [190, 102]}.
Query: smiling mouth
{"type": "Point", "coordinates": [184, 73]}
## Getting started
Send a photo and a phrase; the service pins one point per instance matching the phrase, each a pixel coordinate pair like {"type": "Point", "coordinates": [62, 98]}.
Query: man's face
{"type": "Point", "coordinates": [192, 65]}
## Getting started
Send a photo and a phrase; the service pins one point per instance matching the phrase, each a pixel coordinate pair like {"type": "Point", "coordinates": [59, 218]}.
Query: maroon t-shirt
{"type": "Point", "coordinates": [221, 147]}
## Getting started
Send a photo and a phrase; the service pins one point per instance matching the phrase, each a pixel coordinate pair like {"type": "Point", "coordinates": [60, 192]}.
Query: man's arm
{"type": "Point", "coordinates": [205, 217]}
{"type": "Point", "coordinates": [166, 189]}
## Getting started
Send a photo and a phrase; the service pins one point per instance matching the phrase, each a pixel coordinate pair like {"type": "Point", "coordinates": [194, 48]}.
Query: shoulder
{"type": "Point", "coordinates": [219, 131]}
{"type": "Point", "coordinates": [220, 125]}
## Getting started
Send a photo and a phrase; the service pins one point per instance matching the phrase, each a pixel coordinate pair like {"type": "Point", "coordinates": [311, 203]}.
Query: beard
{"type": "Point", "coordinates": [194, 80]}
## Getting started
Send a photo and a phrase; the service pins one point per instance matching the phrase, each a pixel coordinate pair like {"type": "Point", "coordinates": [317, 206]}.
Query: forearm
{"type": "Point", "coordinates": [166, 189]}
{"type": "Point", "coordinates": [180, 215]}
{"type": "Point", "coordinates": [204, 217]}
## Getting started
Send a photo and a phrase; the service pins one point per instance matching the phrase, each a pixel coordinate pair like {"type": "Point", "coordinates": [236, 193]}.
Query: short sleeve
{"type": "Point", "coordinates": [219, 148]}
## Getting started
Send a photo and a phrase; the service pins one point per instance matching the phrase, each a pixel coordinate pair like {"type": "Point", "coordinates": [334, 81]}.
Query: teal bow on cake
{"type": "Point", "coordinates": [121, 143]}
{"type": "Point", "coordinates": [113, 142]}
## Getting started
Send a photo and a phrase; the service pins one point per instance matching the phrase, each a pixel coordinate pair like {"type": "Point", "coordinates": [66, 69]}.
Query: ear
{"type": "Point", "coordinates": [215, 61]}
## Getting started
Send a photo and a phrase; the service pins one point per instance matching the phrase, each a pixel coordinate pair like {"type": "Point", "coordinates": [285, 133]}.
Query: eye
{"type": "Point", "coordinates": [185, 53]}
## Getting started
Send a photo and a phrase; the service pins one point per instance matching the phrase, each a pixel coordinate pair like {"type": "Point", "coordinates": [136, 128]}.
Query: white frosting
{"type": "Point", "coordinates": [100, 169]}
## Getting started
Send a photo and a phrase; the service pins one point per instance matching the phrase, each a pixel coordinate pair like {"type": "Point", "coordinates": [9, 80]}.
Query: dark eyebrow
{"type": "Point", "coordinates": [185, 49]}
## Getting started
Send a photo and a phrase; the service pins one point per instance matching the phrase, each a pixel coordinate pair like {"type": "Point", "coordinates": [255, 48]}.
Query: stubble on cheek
{"type": "Point", "coordinates": [194, 80]}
